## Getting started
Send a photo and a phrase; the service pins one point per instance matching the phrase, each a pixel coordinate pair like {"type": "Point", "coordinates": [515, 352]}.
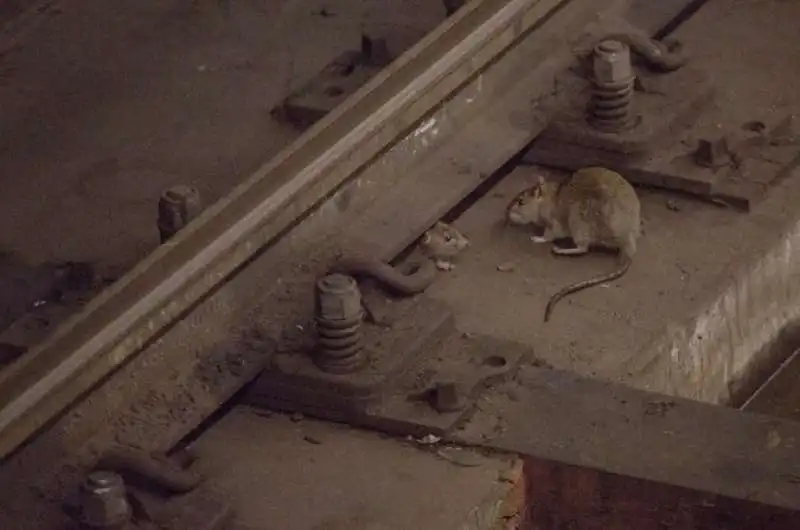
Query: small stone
{"type": "Point", "coordinates": [429, 439]}
{"type": "Point", "coordinates": [461, 457]}
{"type": "Point", "coordinates": [755, 126]}
{"type": "Point", "coordinates": [264, 413]}
{"type": "Point", "coordinates": [297, 417]}
{"type": "Point", "coordinates": [508, 266]}
{"type": "Point", "coordinates": [312, 440]}
{"type": "Point", "coordinates": [673, 206]}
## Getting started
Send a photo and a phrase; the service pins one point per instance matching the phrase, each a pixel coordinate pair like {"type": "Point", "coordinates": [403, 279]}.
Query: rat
{"type": "Point", "coordinates": [442, 243]}
{"type": "Point", "coordinates": [595, 207]}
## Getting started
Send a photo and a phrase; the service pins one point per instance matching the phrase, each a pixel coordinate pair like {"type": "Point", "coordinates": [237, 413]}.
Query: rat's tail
{"type": "Point", "coordinates": [574, 288]}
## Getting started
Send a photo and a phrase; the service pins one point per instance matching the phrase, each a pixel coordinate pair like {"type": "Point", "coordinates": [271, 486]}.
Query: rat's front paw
{"type": "Point", "coordinates": [444, 266]}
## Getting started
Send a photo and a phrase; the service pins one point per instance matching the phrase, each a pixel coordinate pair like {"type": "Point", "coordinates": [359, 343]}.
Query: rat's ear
{"type": "Point", "coordinates": [426, 238]}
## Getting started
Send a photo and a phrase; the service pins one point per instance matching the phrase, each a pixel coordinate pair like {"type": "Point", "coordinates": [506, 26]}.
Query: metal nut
{"type": "Point", "coordinates": [338, 298]}
{"type": "Point", "coordinates": [103, 502]}
{"type": "Point", "coordinates": [448, 397]}
{"type": "Point", "coordinates": [612, 63]}
{"type": "Point", "coordinates": [177, 207]}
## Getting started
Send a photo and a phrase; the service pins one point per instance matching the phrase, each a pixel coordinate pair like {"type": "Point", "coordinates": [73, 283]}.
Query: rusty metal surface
{"type": "Point", "coordinates": [581, 498]}
{"type": "Point", "coordinates": [558, 416]}
{"type": "Point", "coordinates": [683, 136]}
{"type": "Point", "coordinates": [340, 79]}
{"type": "Point", "coordinates": [416, 354]}
{"type": "Point", "coordinates": [134, 310]}
{"type": "Point", "coordinates": [751, 164]}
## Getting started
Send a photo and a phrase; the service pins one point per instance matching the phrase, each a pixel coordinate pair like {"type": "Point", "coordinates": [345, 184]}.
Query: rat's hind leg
{"type": "Point", "coordinates": [577, 250]}
{"type": "Point", "coordinates": [581, 236]}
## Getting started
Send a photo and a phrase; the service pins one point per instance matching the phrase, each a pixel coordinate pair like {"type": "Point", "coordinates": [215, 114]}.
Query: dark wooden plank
{"type": "Point", "coordinates": [558, 416]}
{"type": "Point", "coordinates": [580, 498]}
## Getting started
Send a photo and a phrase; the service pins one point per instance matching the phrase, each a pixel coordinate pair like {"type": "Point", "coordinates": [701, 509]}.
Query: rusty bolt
{"type": "Point", "coordinates": [177, 207]}
{"type": "Point", "coordinates": [339, 316]}
{"type": "Point", "coordinates": [338, 298]}
{"type": "Point", "coordinates": [612, 63]}
{"type": "Point", "coordinates": [103, 502]}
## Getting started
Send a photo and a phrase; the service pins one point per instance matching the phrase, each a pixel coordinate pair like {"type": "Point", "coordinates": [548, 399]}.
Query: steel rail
{"type": "Point", "coordinates": [123, 319]}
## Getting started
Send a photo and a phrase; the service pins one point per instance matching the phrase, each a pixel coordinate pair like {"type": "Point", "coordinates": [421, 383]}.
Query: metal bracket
{"type": "Point", "coordinates": [422, 376]}
{"type": "Point", "coordinates": [336, 82]}
{"type": "Point", "coordinates": [674, 142]}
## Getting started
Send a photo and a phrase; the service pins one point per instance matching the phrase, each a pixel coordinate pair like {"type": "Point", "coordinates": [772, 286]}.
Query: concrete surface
{"type": "Point", "coordinates": [309, 475]}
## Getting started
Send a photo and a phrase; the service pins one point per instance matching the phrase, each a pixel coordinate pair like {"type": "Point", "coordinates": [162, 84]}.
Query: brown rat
{"type": "Point", "coordinates": [595, 207]}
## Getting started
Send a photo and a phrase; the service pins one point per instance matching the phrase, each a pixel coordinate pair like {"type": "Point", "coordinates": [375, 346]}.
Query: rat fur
{"type": "Point", "coordinates": [595, 207]}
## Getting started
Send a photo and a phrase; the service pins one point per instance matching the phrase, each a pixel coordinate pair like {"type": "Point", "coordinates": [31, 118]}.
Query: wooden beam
{"type": "Point", "coordinates": [593, 447]}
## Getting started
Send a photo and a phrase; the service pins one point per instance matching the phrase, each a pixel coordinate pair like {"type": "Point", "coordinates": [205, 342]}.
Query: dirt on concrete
{"type": "Point", "coordinates": [299, 474]}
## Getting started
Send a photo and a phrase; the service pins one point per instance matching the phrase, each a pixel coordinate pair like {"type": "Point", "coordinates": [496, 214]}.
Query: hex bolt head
{"type": "Point", "coordinates": [177, 207]}
{"type": "Point", "coordinates": [338, 298]}
{"type": "Point", "coordinates": [448, 397]}
{"type": "Point", "coordinates": [612, 63]}
{"type": "Point", "coordinates": [103, 502]}
{"type": "Point", "coordinates": [712, 153]}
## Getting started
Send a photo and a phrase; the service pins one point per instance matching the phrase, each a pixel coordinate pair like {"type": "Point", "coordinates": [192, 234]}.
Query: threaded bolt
{"type": "Point", "coordinates": [103, 502]}
{"type": "Point", "coordinates": [339, 316]}
{"type": "Point", "coordinates": [177, 207]}
{"type": "Point", "coordinates": [613, 86]}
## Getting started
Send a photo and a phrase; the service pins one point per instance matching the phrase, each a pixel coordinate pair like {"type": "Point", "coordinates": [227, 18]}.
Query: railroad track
{"type": "Point", "coordinates": [201, 316]}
